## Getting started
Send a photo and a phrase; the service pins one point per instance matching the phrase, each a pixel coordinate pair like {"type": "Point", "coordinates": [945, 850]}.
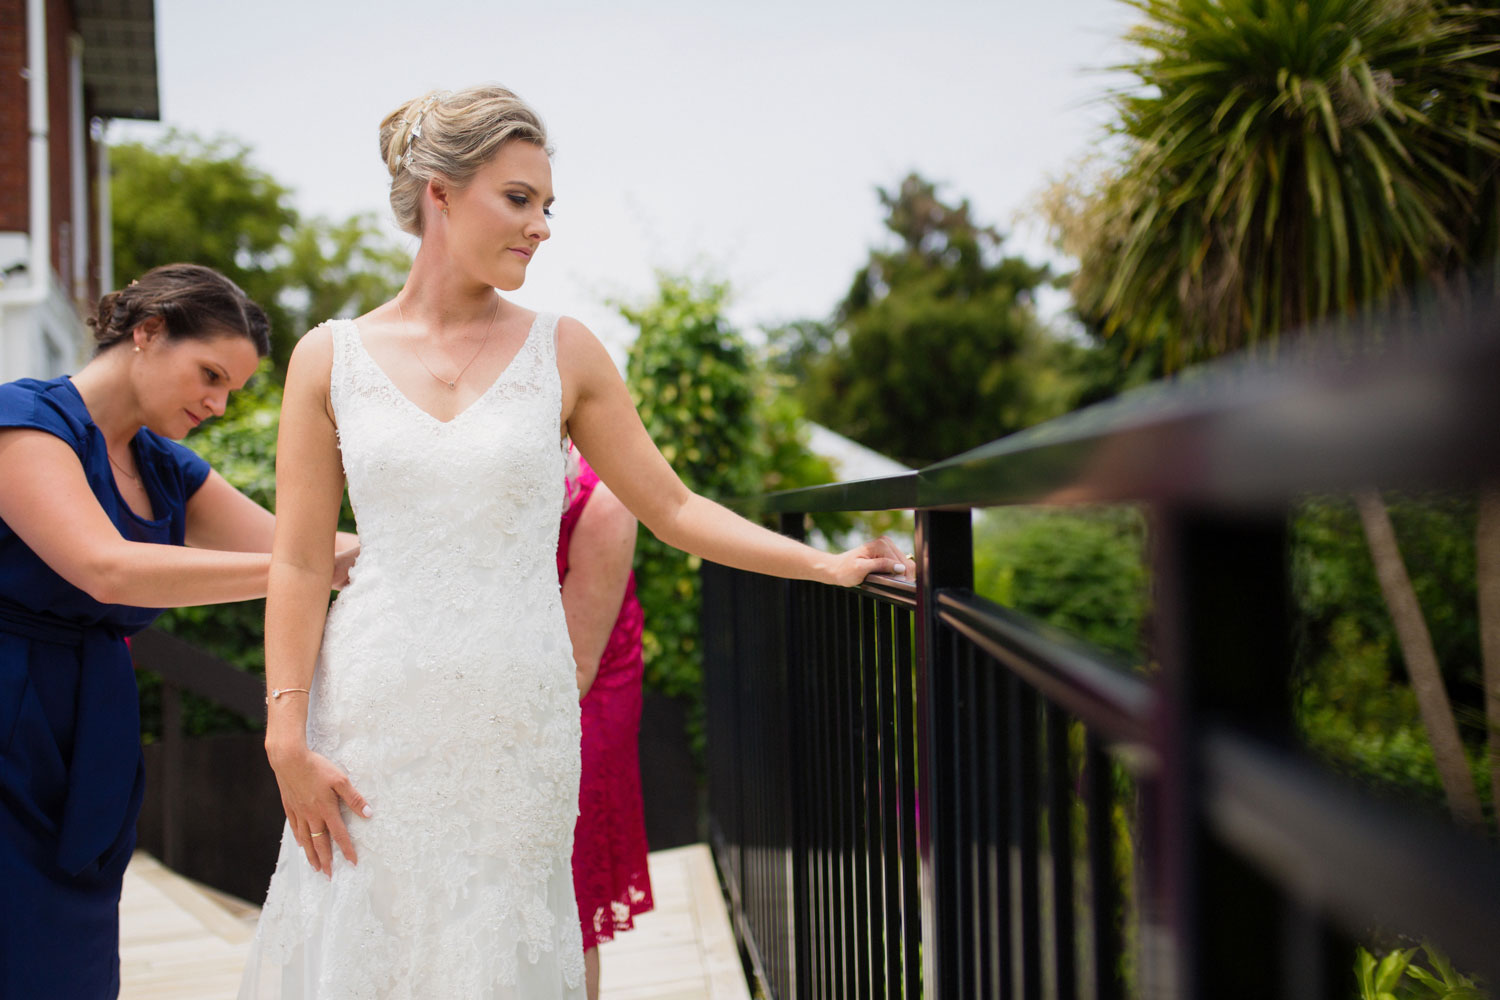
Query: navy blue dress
{"type": "Point", "coordinates": [70, 755]}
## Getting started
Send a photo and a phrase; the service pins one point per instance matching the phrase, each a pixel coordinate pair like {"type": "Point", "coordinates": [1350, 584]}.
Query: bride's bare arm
{"type": "Point", "coordinates": [309, 490]}
{"type": "Point", "coordinates": [601, 419]}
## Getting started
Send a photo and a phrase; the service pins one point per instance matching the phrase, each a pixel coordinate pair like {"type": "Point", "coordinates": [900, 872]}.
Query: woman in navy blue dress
{"type": "Point", "coordinates": [104, 520]}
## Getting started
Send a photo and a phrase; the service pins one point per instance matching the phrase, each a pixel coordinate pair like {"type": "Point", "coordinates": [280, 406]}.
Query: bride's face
{"type": "Point", "coordinates": [497, 221]}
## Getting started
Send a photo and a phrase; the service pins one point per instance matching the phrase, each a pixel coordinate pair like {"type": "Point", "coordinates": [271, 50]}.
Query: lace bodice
{"type": "Point", "coordinates": [445, 687]}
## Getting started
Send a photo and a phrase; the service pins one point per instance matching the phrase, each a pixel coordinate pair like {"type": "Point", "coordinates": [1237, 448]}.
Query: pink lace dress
{"type": "Point", "coordinates": [609, 843]}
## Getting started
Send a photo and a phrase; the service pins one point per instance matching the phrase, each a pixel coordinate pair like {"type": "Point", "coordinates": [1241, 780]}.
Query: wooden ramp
{"type": "Point", "coordinates": [182, 941]}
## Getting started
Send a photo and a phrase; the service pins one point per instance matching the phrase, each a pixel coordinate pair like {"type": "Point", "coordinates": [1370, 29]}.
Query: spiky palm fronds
{"type": "Point", "coordinates": [1284, 160]}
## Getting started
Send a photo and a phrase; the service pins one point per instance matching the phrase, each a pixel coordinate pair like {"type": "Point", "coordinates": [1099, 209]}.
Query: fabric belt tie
{"type": "Point", "coordinates": [100, 799]}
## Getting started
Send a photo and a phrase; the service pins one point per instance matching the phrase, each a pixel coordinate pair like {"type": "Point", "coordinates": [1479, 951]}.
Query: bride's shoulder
{"type": "Point", "coordinates": [313, 352]}
{"type": "Point", "coordinates": [319, 340]}
{"type": "Point", "coordinates": [572, 333]}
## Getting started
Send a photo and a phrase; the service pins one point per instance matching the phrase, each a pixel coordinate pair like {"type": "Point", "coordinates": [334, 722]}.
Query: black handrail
{"type": "Point", "coordinates": [913, 790]}
{"type": "Point", "coordinates": [1086, 682]}
{"type": "Point", "coordinates": [1233, 434]}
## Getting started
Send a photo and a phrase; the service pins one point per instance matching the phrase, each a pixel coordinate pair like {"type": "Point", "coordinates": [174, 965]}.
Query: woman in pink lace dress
{"type": "Point", "coordinates": [594, 551]}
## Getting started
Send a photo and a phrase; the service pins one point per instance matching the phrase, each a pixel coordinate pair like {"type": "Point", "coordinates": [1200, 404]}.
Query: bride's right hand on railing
{"type": "Point", "coordinates": [311, 788]}
{"type": "Point", "coordinates": [879, 556]}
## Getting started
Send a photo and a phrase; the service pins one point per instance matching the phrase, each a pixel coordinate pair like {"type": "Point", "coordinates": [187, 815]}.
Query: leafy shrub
{"type": "Point", "coordinates": [1399, 976]}
{"type": "Point", "coordinates": [1354, 704]}
{"type": "Point", "coordinates": [1079, 569]}
{"type": "Point", "coordinates": [725, 428]}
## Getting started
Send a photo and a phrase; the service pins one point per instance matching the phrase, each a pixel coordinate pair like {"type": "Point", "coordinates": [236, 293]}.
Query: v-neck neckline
{"type": "Point", "coordinates": [359, 340]}
{"type": "Point", "coordinates": [152, 489]}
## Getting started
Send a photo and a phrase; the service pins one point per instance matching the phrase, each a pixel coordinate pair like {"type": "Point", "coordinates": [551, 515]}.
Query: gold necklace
{"type": "Point", "coordinates": [122, 468]}
{"type": "Point", "coordinates": [453, 382]}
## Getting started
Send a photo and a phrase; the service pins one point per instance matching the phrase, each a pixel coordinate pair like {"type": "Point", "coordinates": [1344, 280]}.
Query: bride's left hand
{"type": "Point", "coordinates": [879, 555]}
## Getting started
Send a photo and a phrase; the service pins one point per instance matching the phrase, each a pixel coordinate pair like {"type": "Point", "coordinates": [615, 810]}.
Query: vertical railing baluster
{"type": "Point", "coordinates": [996, 746]}
{"type": "Point", "coordinates": [891, 802]}
{"type": "Point", "coordinates": [908, 727]}
{"type": "Point", "coordinates": [870, 859]}
{"type": "Point", "coordinates": [842, 917]}
{"type": "Point", "coordinates": [853, 768]}
{"type": "Point", "coordinates": [843, 804]}
{"type": "Point", "coordinates": [1106, 933]}
{"type": "Point", "coordinates": [1024, 718]}
{"type": "Point", "coordinates": [1060, 845]}
{"type": "Point", "coordinates": [985, 852]}
{"type": "Point", "coordinates": [172, 777]}
{"type": "Point", "coordinates": [827, 958]}
{"type": "Point", "coordinates": [794, 708]}
{"type": "Point", "coordinates": [961, 779]}
{"type": "Point", "coordinates": [945, 559]}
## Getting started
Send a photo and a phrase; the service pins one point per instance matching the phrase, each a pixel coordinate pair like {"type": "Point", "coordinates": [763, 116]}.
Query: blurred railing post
{"type": "Point", "coordinates": [1222, 638]}
{"type": "Point", "coordinates": [945, 561]}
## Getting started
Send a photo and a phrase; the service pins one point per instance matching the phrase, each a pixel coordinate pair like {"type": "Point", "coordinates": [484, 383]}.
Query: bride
{"type": "Point", "coordinates": [424, 730]}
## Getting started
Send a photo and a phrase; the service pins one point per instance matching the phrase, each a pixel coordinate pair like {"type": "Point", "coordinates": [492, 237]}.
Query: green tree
{"type": "Point", "coordinates": [937, 347]}
{"type": "Point", "coordinates": [338, 268]}
{"type": "Point", "coordinates": [190, 199]}
{"type": "Point", "coordinates": [186, 198]}
{"type": "Point", "coordinates": [727, 430]}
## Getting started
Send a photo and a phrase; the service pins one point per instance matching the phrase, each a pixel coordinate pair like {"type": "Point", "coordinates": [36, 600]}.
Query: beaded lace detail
{"type": "Point", "coordinates": [446, 688]}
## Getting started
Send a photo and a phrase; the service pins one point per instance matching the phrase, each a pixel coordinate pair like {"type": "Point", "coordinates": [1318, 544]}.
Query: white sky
{"type": "Point", "coordinates": [739, 139]}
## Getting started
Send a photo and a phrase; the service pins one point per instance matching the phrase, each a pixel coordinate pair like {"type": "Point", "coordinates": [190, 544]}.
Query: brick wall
{"type": "Point", "coordinates": [13, 109]}
{"type": "Point", "coordinates": [60, 27]}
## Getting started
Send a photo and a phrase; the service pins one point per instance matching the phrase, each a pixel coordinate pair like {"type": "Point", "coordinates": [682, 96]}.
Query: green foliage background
{"type": "Point", "coordinates": [1084, 571]}
{"type": "Point", "coordinates": [1354, 703]}
{"type": "Point", "coordinates": [936, 347]}
{"type": "Point", "coordinates": [194, 199]}
{"type": "Point", "coordinates": [186, 198]}
{"type": "Point", "coordinates": [727, 429]}
{"type": "Point", "coordinates": [1080, 570]}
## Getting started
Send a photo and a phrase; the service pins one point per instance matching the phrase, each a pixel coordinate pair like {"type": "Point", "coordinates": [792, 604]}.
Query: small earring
{"type": "Point", "coordinates": [445, 211]}
{"type": "Point", "coordinates": [137, 348]}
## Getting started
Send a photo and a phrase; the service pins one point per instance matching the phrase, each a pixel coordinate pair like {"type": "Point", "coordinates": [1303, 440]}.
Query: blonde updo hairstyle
{"type": "Point", "coordinates": [450, 135]}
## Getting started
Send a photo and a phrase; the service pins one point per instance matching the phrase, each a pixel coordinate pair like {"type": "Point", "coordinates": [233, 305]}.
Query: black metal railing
{"type": "Point", "coordinates": [915, 792]}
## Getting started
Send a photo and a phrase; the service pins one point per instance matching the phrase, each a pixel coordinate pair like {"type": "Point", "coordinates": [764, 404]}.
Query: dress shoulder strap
{"type": "Point", "coordinates": [342, 332]}
{"type": "Point", "coordinates": [546, 336]}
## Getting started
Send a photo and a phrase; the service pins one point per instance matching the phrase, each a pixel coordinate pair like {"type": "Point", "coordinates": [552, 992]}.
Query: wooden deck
{"type": "Point", "coordinates": [180, 941]}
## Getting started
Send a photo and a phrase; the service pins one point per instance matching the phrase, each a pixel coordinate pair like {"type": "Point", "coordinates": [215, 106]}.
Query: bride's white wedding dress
{"type": "Point", "coordinates": [446, 689]}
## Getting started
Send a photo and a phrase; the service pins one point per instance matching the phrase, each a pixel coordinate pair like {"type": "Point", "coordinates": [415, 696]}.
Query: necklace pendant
{"type": "Point", "coordinates": [453, 385]}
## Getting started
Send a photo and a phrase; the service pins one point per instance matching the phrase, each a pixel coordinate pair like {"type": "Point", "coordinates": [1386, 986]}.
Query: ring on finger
{"type": "Point", "coordinates": [317, 834]}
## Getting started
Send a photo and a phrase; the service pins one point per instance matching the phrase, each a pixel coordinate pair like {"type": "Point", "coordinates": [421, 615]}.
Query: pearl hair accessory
{"type": "Point", "coordinates": [416, 128]}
